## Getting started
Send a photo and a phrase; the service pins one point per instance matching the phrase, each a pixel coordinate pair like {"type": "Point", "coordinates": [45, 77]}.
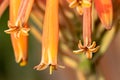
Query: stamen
{"type": "Point", "coordinates": [52, 68]}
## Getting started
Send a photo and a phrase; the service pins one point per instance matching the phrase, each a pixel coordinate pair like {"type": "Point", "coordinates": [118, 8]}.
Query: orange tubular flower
{"type": "Point", "coordinates": [87, 47]}
{"type": "Point", "coordinates": [18, 28]}
{"type": "Point", "coordinates": [50, 37]}
{"type": "Point", "coordinates": [87, 25]}
{"type": "Point", "coordinates": [105, 12]}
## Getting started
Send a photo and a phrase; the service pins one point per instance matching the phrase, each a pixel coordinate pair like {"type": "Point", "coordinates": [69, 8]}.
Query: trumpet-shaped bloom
{"type": "Point", "coordinates": [50, 37]}
{"type": "Point", "coordinates": [87, 47]}
{"type": "Point", "coordinates": [18, 28]}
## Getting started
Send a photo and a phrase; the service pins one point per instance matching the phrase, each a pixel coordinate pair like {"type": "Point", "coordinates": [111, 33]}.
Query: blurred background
{"type": "Point", "coordinates": [105, 64]}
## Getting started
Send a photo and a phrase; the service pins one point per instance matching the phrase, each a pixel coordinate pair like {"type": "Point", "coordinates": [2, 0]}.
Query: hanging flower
{"type": "Point", "coordinates": [50, 37]}
{"type": "Point", "coordinates": [18, 28]}
{"type": "Point", "coordinates": [87, 47]}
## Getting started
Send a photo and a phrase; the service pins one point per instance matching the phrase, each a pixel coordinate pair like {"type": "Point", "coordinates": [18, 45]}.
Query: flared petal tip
{"type": "Point", "coordinates": [51, 67]}
{"type": "Point", "coordinates": [23, 63]}
{"type": "Point", "coordinates": [107, 22]}
{"type": "Point", "coordinates": [44, 66]}
{"type": "Point", "coordinates": [41, 67]}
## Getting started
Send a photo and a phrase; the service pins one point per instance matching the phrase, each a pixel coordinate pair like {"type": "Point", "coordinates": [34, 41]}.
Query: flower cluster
{"type": "Point", "coordinates": [104, 10]}
{"type": "Point", "coordinates": [18, 28]}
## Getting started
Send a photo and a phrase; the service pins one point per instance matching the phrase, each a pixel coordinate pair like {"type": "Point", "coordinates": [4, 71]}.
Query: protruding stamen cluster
{"type": "Point", "coordinates": [88, 50]}
{"type": "Point", "coordinates": [52, 68]}
{"type": "Point", "coordinates": [79, 5]}
{"type": "Point", "coordinates": [18, 30]}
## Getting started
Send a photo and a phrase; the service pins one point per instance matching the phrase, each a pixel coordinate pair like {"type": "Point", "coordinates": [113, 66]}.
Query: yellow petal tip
{"type": "Point", "coordinates": [23, 63]}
